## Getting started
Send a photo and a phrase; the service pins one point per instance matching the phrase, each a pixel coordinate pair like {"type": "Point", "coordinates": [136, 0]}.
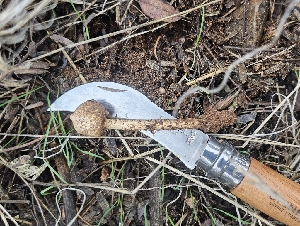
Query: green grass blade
{"type": "Point", "coordinates": [56, 173]}
{"type": "Point", "coordinates": [145, 215]}
{"type": "Point", "coordinates": [44, 191]}
{"type": "Point", "coordinates": [18, 97]}
{"type": "Point", "coordinates": [86, 152]}
{"type": "Point", "coordinates": [169, 218]}
{"type": "Point", "coordinates": [214, 221]}
{"type": "Point", "coordinates": [201, 27]}
{"type": "Point", "coordinates": [106, 212]}
{"type": "Point", "coordinates": [162, 177]}
{"type": "Point", "coordinates": [194, 208]}
{"type": "Point", "coordinates": [233, 217]}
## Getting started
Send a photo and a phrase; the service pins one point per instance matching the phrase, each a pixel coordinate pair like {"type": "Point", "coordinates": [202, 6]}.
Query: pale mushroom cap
{"type": "Point", "coordinates": [89, 118]}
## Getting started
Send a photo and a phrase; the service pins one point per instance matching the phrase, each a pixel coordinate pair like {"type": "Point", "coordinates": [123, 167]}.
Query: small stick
{"type": "Point", "coordinates": [90, 119]}
{"type": "Point", "coordinates": [68, 196]}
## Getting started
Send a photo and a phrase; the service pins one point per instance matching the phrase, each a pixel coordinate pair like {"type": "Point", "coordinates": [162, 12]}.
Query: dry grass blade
{"type": "Point", "coordinates": [17, 22]}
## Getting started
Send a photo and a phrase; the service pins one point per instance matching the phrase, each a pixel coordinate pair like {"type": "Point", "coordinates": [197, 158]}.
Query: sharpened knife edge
{"type": "Point", "coordinates": [223, 162]}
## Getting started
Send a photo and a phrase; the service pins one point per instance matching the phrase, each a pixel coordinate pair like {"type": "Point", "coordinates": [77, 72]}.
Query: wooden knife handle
{"type": "Point", "coordinates": [271, 193]}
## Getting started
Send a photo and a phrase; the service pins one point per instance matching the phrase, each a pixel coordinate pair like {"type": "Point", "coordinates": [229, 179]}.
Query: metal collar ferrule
{"type": "Point", "coordinates": [223, 162]}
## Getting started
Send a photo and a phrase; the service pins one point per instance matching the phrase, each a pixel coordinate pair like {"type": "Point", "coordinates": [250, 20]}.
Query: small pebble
{"type": "Point", "coordinates": [162, 90]}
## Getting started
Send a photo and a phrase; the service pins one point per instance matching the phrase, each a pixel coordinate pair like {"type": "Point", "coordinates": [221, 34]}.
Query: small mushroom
{"type": "Point", "coordinates": [89, 119]}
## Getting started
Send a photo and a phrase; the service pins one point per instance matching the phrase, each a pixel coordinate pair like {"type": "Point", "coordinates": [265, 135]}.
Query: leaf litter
{"type": "Point", "coordinates": [163, 76]}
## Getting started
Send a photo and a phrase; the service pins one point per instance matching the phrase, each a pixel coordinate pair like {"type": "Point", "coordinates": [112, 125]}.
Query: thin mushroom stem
{"type": "Point", "coordinates": [161, 124]}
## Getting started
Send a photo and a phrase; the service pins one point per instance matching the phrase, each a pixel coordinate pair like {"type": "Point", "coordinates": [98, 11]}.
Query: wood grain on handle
{"type": "Point", "coordinates": [271, 193]}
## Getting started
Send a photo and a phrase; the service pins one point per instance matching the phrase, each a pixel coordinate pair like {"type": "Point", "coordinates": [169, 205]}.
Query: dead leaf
{"type": "Point", "coordinates": [62, 40]}
{"type": "Point", "coordinates": [226, 102]}
{"type": "Point", "coordinates": [32, 68]}
{"type": "Point", "coordinates": [23, 165]}
{"type": "Point", "coordinates": [34, 71]}
{"type": "Point", "coordinates": [104, 174]}
{"type": "Point", "coordinates": [11, 112]}
{"type": "Point", "coordinates": [34, 105]}
{"type": "Point", "coordinates": [157, 65]}
{"type": "Point", "coordinates": [157, 9]}
{"type": "Point", "coordinates": [190, 202]}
